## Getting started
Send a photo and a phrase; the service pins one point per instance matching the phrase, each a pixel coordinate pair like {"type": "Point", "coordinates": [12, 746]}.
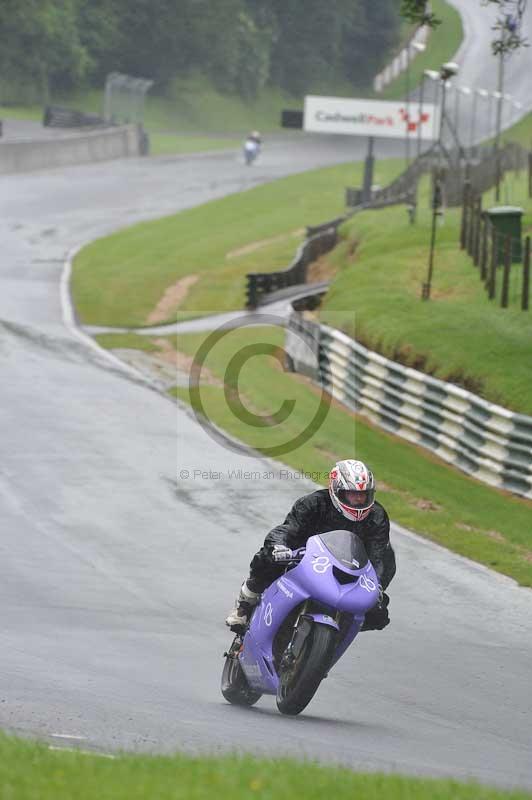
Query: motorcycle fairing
{"type": "Point", "coordinates": [312, 578]}
{"type": "Point", "coordinates": [256, 657]}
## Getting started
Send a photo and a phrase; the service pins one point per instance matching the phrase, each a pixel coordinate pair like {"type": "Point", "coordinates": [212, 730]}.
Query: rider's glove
{"type": "Point", "coordinates": [281, 553]}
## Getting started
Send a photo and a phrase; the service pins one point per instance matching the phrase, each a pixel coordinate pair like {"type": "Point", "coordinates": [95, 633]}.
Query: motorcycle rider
{"type": "Point", "coordinates": [252, 146]}
{"type": "Point", "coordinates": [348, 504]}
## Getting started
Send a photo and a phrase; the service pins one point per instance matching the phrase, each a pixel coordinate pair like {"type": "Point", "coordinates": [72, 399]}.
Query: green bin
{"type": "Point", "coordinates": [507, 222]}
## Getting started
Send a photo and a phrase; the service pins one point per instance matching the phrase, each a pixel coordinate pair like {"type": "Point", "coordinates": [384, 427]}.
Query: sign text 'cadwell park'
{"type": "Point", "coordinates": [370, 118]}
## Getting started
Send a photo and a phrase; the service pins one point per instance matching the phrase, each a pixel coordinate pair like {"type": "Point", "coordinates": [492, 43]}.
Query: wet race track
{"type": "Point", "coordinates": [116, 577]}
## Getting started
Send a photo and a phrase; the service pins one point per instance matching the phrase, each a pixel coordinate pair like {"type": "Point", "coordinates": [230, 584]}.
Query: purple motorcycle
{"type": "Point", "coordinates": [304, 623]}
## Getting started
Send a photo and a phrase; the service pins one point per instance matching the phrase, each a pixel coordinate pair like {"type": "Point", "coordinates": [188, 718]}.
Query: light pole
{"type": "Point", "coordinates": [491, 126]}
{"type": "Point", "coordinates": [446, 71]}
{"type": "Point", "coordinates": [508, 113]}
{"type": "Point", "coordinates": [459, 90]}
{"type": "Point", "coordinates": [508, 27]}
{"type": "Point", "coordinates": [476, 93]}
{"type": "Point", "coordinates": [419, 47]}
{"type": "Point", "coordinates": [498, 119]}
{"type": "Point", "coordinates": [517, 108]}
{"type": "Point", "coordinates": [432, 75]}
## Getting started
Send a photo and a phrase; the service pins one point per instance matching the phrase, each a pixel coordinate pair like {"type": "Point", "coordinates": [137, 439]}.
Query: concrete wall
{"type": "Point", "coordinates": [78, 148]}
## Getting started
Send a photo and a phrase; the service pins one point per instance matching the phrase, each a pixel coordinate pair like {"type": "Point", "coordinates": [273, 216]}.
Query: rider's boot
{"type": "Point", "coordinates": [247, 599]}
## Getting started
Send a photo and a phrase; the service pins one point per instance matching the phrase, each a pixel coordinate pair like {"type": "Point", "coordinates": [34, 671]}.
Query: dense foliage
{"type": "Point", "coordinates": [242, 45]}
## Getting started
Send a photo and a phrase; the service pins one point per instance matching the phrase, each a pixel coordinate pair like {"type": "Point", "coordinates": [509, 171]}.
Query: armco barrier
{"type": "Point", "coordinates": [25, 155]}
{"type": "Point", "coordinates": [486, 441]}
{"type": "Point", "coordinates": [321, 239]}
{"type": "Point", "coordinates": [59, 117]}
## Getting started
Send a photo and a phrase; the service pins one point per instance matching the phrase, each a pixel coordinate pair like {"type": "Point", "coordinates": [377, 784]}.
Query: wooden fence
{"type": "Point", "coordinates": [503, 261]}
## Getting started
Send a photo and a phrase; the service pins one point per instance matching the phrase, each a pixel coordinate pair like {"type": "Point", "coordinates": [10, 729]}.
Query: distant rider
{"type": "Point", "coordinates": [348, 504]}
{"type": "Point", "coordinates": [252, 146]}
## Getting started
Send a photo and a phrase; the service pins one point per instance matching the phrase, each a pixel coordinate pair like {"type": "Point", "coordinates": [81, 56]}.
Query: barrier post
{"type": "Point", "coordinates": [465, 209]}
{"type": "Point", "coordinates": [251, 290]}
{"type": "Point", "coordinates": [526, 275]}
{"type": "Point", "coordinates": [478, 220]}
{"type": "Point", "coordinates": [493, 264]}
{"type": "Point", "coordinates": [484, 249]}
{"type": "Point", "coordinates": [470, 225]}
{"type": "Point", "coordinates": [506, 273]}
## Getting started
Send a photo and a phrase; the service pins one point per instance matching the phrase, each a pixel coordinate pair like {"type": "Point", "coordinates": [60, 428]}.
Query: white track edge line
{"type": "Point", "coordinates": [70, 322]}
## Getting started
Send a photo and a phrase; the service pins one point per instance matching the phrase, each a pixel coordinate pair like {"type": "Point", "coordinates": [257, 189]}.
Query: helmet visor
{"type": "Point", "coordinates": [356, 499]}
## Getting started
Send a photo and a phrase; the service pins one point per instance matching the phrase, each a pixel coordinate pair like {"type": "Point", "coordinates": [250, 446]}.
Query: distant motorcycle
{"type": "Point", "coordinates": [251, 151]}
{"type": "Point", "coordinates": [304, 623]}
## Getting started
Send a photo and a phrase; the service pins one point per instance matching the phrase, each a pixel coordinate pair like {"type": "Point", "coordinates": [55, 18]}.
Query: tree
{"type": "Point", "coordinates": [369, 32]}
{"type": "Point", "coordinates": [508, 26]}
{"type": "Point", "coordinates": [418, 12]}
{"type": "Point", "coordinates": [101, 34]}
{"type": "Point", "coordinates": [40, 44]}
{"type": "Point", "coordinates": [308, 48]}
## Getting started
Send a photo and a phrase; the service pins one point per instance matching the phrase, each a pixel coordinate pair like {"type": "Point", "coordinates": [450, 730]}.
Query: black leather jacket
{"type": "Point", "coordinates": [314, 513]}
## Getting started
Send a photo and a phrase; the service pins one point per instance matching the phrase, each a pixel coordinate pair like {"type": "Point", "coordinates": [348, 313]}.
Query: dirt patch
{"type": "Point", "coordinates": [183, 363]}
{"type": "Point", "coordinates": [251, 248]}
{"type": "Point", "coordinates": [171, 299]}
{"type": "Point", "coordinates": [321, 270]}
{"type": "Point", "coordinates": [427, 505]}
{"type": "Point", "coordinates": [495, 535]}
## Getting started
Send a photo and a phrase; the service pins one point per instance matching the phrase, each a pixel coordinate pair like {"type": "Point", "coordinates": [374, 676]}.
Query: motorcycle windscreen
{"type": "Point", "coordinates": [346, 547]}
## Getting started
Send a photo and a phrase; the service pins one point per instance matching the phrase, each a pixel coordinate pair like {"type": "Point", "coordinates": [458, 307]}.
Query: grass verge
{"type": "Point", "coordinates": [120, 279]}
{"type": "Point", "coordinates": [380, 265]}
{"type": "Point", "coordinates": [419, 491]}
{"type": "Point", "coordinates": [460, 335]}
{"type": "Point", "coordinates": [30, 770]}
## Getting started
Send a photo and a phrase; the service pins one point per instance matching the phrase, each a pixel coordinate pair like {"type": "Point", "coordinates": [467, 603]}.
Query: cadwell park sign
{"type": "Point", "coordinates": [391, 119]}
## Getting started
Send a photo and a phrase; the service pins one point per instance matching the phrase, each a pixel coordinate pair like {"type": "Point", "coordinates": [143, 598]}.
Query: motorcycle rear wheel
{"type": "Point", "coordinates": [234, 685]}
{"type": "Point", "coordinates": [299, 684]}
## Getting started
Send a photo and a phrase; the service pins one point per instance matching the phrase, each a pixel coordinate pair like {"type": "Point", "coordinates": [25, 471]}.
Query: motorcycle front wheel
{"type": "Point", "coordinates": [234, 685]}
{"type": "Point", "coordinates": [299, 681]}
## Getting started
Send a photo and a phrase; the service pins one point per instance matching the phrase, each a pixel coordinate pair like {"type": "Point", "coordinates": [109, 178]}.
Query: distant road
{"type": "Point", "coordinates": [478, 70]}
{"type": "Point", "coordinates": [478, 66]}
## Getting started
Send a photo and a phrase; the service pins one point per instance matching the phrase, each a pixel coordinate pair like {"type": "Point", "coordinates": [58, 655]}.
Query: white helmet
{"type": "Point", "coordinates": [352, 489]}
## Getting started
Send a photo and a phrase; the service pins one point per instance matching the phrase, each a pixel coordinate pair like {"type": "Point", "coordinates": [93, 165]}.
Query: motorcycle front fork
{"type": "Point", "coordinates": [236, 646]}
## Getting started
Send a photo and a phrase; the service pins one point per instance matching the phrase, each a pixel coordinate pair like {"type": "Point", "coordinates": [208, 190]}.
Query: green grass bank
{"type": "Point", "coordinates": [30, 771]}
{"type": "Point", "coordinates": [459, 335]}
{"type": "Point", "coordinates": [378, 270]}
{"type": "Point", "coordinates": [120, 279]}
